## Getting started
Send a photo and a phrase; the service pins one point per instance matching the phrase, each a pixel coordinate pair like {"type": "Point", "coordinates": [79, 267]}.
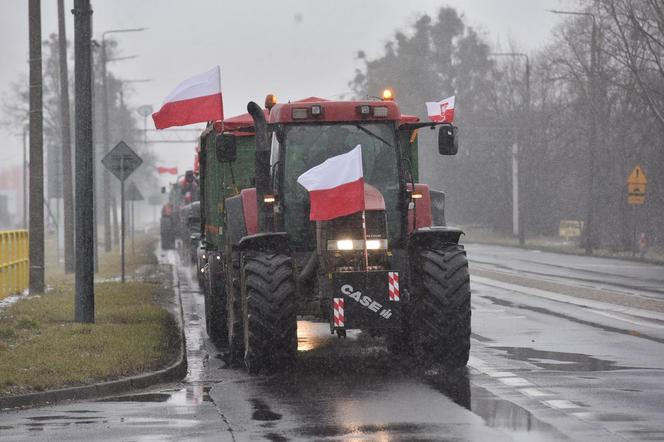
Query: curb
{"type": "Point", "coordinates": [174, 372]}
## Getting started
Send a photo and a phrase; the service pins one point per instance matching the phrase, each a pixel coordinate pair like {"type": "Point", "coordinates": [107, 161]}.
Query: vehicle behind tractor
{"type": "Point", "coordinates": [393, 269]}
{"type": "Point", "coordinates": [180, 214]}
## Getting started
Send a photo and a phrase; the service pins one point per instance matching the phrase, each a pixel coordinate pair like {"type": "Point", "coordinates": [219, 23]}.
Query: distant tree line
{"type": "Point", "coordinates": [618, 88]}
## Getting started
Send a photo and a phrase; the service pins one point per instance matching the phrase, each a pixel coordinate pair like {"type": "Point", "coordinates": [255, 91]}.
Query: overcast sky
{"type": "Point", "coordinates": [294, 48]}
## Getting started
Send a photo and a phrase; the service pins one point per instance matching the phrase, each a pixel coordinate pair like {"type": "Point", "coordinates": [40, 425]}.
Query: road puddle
{"type": "Point", "coordinates": [561, 361]}
{"type": "Point", "coordinates": [262, 411]}
{"type": "Point", "coordinates": [496, 412]}
{"type": "Point", "coordinates": [191, 395]}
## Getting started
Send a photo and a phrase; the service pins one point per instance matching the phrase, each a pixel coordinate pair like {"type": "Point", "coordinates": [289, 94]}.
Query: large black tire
{"type": "Point", "coordinates": [215, 306]}
{"type": "Point", "coordinates": [269, 311]}
{"type": "Point", "coordinates": [440, 318]}
{"type": "Point", "coordinates": [167, 233]}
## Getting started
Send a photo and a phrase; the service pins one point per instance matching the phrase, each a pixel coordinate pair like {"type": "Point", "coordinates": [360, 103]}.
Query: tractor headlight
{"type": "Point", "coordinates": [356, 244]}
{"type": "Point", "coordinates": [373, 244]}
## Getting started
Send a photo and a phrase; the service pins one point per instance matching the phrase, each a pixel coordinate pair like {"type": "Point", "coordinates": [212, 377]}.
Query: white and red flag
{"type": "Point", "coordinates": [441, 111]}
{"type": "Point", "coordinates": [195, 100]}
{"type": "Point", "coordinates": [173, 170]}
{"type": "Point", "coordinates": [336, 186]}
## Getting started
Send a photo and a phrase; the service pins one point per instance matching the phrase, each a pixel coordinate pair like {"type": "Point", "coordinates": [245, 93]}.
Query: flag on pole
{"type": "Point", "coordinates": [165, 169]}
{"type": "Point", "coordinates": [441, 111]}
{"type": "Point", "coordinates": [195, 100]}
{"type": "Point", "coordinates": [336, 187]}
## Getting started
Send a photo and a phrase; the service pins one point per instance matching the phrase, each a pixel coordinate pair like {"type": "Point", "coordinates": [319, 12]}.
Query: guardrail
{"type": "Point", "coordinates": [14, 262]}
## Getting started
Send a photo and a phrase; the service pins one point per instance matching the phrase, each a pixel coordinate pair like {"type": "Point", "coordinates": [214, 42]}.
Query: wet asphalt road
{"type": "Point", "coordinates": [564, 348]}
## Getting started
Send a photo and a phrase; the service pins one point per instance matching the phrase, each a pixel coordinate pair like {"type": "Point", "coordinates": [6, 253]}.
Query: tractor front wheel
{"type": "Point", "coordinates": [269, 311]}
{"type": "Point", "coordinates": [440, 319]}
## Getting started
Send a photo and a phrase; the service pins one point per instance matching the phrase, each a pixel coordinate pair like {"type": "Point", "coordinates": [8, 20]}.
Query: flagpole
{"type": "Point", "coordinates": [364, 231]}
{"type": "Point", "coordinates": [221, 102]}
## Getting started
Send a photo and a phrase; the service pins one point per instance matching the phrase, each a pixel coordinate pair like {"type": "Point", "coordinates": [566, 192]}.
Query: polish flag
{"type": "Point", "coordinates": [195, 100]}
{"type": "Point", "coordinates": [336, 187]}
{"type": "Point", "coordinates": [441, 111]}
{"type": "Point", "coordinates": [163, 169]}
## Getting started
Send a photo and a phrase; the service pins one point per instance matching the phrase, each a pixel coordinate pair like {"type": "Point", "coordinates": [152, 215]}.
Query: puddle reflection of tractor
{"type": "Point", "coordinates": [394, 269]}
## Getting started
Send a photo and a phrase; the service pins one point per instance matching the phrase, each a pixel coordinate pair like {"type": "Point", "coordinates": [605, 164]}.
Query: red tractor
{"type": "Point", "coordinates": [402, 274]}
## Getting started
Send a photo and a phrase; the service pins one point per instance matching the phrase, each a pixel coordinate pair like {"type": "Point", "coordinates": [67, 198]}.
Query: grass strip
{"type": "Point", "coordinates": [42, 348]}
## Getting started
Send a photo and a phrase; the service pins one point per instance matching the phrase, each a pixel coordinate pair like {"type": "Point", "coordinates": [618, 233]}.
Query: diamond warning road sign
{"type": "Point", "coordinates": [637, 183]}
{"type": "Point", "coordinates": [133, 194]}
{"type": "Point", "coordinates": [121, 161]}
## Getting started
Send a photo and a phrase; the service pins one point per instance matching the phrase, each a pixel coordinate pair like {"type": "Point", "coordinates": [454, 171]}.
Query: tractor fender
{"type": "Point", "coordinates": [250, 210]}
{"type": "Point", "coordinates": [421, 211]}
{"type": "Point", "coordinates": [235, 228]}
{"type": "Point", "coordinates": [266, 242]}
{"type": "Point", "coordinates": [430, 235]}
{"type": "Point", "coordinates": [437, 207]}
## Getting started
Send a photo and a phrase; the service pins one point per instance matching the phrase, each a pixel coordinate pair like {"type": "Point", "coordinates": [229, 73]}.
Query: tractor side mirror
{"type": "Point", "coordinates": [163, 189]}
{"type": "Point", "coordinates": [448, 142]}
{"type": "Point", "coordinates": [226, 147]}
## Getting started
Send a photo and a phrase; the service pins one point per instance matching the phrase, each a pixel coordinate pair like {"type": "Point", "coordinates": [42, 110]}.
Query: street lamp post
{"type": "Point", "coordinates": [106, 131]}
{"type": "Point", "coordinates": [145, 111]}
{"type": "Point", "coordinates": [518, 152]}
{"type": "Point", "coordinates": [590, 228]}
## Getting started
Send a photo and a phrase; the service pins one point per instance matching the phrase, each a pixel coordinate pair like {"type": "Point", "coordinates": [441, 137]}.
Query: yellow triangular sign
{"type": "Point", "coordinates": [637, 176]}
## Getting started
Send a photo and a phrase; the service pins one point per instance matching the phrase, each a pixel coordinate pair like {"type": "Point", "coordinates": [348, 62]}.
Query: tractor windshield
{"type": "Point", "coordinates": [306, 146]}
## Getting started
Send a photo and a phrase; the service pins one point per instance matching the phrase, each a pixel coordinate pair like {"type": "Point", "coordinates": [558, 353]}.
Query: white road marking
{"type": "Point", "coordinates": [561, 404]}
{"type": "Point", "coordinates": [534, 392]}
{"type": "Point", "coordinates": [510, 379]}
{"type": "Point", "coordinates": [621, 318]}
{"type": "Point", "coordinates": [501, 374]}
{"type": "Point", "coordinates": [515, 382]}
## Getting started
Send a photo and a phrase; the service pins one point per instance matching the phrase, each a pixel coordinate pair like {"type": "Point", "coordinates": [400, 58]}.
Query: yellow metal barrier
{"type": "Point", "coordinates": [14, 262]}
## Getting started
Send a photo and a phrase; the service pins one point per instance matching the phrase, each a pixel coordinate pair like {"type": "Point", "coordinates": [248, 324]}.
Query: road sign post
{"type": "Point", "coordinates": [122, 161]}
{"type": "Point", "coordinates": [133, 194]}
{"type": "Point", "coordinates": [637, 183]}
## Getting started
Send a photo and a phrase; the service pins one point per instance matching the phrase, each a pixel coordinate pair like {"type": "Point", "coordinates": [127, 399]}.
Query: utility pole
{"type": "Point", "coordinates": [24, 136]}
{"type": "Point", "coordinates": [591, 239]}
{"type": "Point", "coordinates": [590, 229]}
{"type": "Point", "coordinates": [36, 221]}
{"type": "Point", "coordinates": [85, 296]}
{"type": "Point", "coordinates": [106, 207]}
{"type": "Point", "coordinates": [67, 186]}
{"type": "Point", "coordinates": [518, 154]}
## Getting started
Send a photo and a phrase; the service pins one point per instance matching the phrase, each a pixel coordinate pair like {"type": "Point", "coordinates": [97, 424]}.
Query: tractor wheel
{"type": "Point", "coordinates": [215, 307]}
{"type": "Point", "coordinates": [269, 311]}
{"type": "Point", "coordinates": [234, 307]}
{"type": "Point", "coordinates": [440, 320]}
{"type": "Point", "coordinates": [167, 233]}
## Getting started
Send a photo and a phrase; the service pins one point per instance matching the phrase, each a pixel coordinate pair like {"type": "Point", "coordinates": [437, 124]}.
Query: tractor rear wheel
{"type": "Point", "coordinates": [234, 306]}
{"type": "Point", "coordinates": [269, 311]}
{"type": "Point", "coordinates": [440, 320]}
{"type": "Point", "coordinates": [215, 306]}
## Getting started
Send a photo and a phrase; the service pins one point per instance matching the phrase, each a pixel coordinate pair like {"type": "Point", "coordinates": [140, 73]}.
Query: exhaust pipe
{"type": "Point", "coordinates": [262, 164]}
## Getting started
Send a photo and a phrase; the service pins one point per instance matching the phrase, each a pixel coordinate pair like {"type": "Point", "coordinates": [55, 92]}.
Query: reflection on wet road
{"type": "Point", "coordinates": [540, 370]}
